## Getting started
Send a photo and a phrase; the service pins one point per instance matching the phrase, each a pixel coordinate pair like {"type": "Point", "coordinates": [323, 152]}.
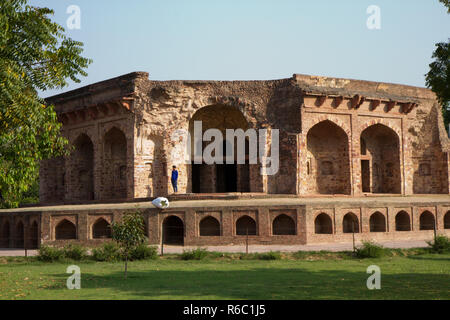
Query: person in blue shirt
{"type": "Point", "coordinates": [174, 178]}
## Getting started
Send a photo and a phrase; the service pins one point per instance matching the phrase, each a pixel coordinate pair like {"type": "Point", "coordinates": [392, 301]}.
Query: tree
{"type": "Point", "coordinates": [34, 55]}
{"type": "Point", "coordinates": [129, 233]}
{"type": "Point", "coordinates": [438, 78]}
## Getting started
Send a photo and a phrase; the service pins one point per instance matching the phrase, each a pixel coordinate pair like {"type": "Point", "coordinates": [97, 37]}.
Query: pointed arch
{"type": "Point", "coordinates": [427, 221]}
{"type": "Point", "coordinates": [65, 230]}
{"type": "Point", "coordinates": [246, 225]}
{"type": "Point", "coordinates": [209, 226]}
{"type": "Point", "coordinates": [329, 158]}
{"type": "Point", "coordinates": [350, 223]}
{"type": "Point", "coordinates": [323, 224]}
{"type": "Point", "coordinates": [283, 225]}
{"type": "Point", "coordinates": [377, 222]}
{"type": "Point", "coordinates": [402, 221]}
{"type": "Point", "coordinates": [173, 230]}
{"type": "Point", "coordinates": [101, 229]}
{"type": "Point", "coordinates": [115, 170]}
{"type": "Point", "coordinates": [82, 169]}
{"type": "Point", "coordinates": [380, 167]}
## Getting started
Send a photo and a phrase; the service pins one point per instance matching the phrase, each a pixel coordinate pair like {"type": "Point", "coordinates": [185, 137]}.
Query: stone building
{"type": "Point", "coordinates": [340, 139]}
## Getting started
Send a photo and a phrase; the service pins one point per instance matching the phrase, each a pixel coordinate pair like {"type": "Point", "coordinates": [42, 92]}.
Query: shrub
{"type": "Point", "coordinates": [75, 252]}
{"type": "Point", "coordinates": [143, 252]}
{"type": "Point", "coordinates": [370, 249]}
{"type": "Point", "coordinates": [109, 251]}
{"type": "Point", "coordinates": [50, 254]}
{"type": "Point", "coordinates": [272, 255]}
{"type": "Point", "coordinates": [441, 244]}
{"type": "Point", "coordinates": [196, 254]}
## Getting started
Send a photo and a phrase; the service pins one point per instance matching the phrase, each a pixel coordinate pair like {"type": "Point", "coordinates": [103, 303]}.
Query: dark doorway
{"type": "Point", "coordinates": [365, 175]}
{"type": "Point", "coordinates": [4, 238]}
{"type": "Point", "coordinates": [34, 236]}
{"type": "Point", "coordinates": [196, 178]}
{"type": "Point", "coordinates": [20, 235]}
{"type": "Point", "coordinates": [173, 231]}
{"type": "Point", "coordinates": [226, 177]}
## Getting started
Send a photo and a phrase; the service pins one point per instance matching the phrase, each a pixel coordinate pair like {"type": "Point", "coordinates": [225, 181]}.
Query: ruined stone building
{"type": "Point", "coordinates": [346, 141]}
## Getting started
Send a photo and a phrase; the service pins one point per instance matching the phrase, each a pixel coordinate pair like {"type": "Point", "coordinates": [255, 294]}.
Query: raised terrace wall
{"type": "Point", "coordinates": [289, 224]}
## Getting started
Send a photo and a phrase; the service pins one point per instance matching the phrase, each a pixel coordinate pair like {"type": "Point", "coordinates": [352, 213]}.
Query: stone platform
{"type": "Point", "coordinates": [254, 219]}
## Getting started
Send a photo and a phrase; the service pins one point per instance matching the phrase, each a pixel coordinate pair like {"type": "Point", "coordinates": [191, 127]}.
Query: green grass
{"type": "Point", "coordinates": [313, 276]}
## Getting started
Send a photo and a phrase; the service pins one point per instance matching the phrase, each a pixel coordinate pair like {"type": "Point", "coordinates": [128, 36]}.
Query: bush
{"type": "Point", "coordinates": [143, 252]}
{"type": "Point", "coordinates": [109, 251]}
{"type": "Point", "coordinates": [75, 252]}
{"type": "Point", "coordinates": [441, 244]}
{"type": "Point", "coordinates": [272, 255]}
{"type": "Point", "coordinates": [370, 249]}
{"type": "Point", "coordinates": [196, 254]}
{"type": "Point", "coordinates": [50, 254]}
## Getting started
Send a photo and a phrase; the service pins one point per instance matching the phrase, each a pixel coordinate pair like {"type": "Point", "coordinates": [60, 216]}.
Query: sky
{"type": "Point", "coordinates": [255, 39]}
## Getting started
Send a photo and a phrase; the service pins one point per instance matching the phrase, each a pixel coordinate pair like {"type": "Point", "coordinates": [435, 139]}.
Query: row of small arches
{"type": "Point", "coordinates": [281, 225]}
{"type": "Point", "coordinates": [66, 230]}
{"type": "Point", "coordinates": [377, 222]}
{"type": "Point", "coordinates": [245, 225]}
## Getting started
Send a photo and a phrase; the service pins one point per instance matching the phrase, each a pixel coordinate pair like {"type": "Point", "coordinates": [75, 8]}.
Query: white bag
{"type": "Point", "coordinates": [161, 203]}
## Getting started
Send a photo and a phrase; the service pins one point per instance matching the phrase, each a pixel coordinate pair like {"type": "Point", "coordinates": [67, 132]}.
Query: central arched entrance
{"type": "Point", "coordinates": [173, 231]}
{"type": "Point", "coordinates": [219, 177]}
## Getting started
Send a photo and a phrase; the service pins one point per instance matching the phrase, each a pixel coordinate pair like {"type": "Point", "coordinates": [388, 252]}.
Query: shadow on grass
{"type": "Point", "coordinates": [259, 283]}
{"type": "Point", "coordinates": [429, 257]}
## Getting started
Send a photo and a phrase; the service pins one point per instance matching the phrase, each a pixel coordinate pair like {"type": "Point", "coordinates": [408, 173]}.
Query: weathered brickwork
{"type": "Point", "coordinates": [282, 224]}
{"type": "Point", "coordinates": [337, 137]}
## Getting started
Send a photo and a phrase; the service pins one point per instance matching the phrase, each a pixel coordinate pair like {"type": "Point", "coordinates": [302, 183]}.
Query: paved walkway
{"type": "Point", "coordinates": [255, 248]}
{"type": "Point", "coordinates": [272, 201]}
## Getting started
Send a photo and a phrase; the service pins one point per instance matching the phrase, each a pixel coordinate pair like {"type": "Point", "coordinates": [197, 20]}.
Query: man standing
{"type": "Point", "coordinates": [174, 179]}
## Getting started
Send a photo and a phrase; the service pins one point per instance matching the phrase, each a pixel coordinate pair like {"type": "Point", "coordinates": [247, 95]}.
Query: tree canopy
{"type": "Point", "coordinates": [438, 78]}
{"type": "Point", "coordinates": [35, 55]}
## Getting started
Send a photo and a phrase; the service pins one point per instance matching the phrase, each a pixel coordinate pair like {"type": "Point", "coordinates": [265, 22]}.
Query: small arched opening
{"type": "Point", "coordinates": [209, 226]}
{"type": "Point", "coordinates": [426, 221]}
{"type": "Point", "coordinates": [377, 222]}
{"type": "Point", "coordinates": [65, 230]}
{"type": "Point", "coordinates": [101, 229]}
{"type": "Point", "coordinates": [245, 226]}
{"type": "Point", "coordinates": [350, 223]}
{"type": "Point", "coordinates": [402, 221]}
{"type": "Point", "coordinates": [323, 224]}
{"type": "Point", "coordinates": [283, 225]}
{"type": "Point", "coordinates": [173, 231]}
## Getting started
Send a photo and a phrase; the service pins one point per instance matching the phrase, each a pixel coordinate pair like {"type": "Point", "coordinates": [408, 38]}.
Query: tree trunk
{"type": "Point", "coordinates": [126, 263]}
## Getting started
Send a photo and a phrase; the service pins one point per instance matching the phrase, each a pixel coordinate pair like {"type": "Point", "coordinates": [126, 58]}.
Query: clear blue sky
{"type": "Point", "coordinates": [256, 39]}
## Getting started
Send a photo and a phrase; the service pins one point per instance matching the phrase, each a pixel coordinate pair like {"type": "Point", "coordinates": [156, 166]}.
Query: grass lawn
{"type": "Point", "coordinates": [412, 277]}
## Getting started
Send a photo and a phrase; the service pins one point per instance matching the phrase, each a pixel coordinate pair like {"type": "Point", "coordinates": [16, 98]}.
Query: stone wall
{"type": "Point", "coordinates": [277, 224]}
